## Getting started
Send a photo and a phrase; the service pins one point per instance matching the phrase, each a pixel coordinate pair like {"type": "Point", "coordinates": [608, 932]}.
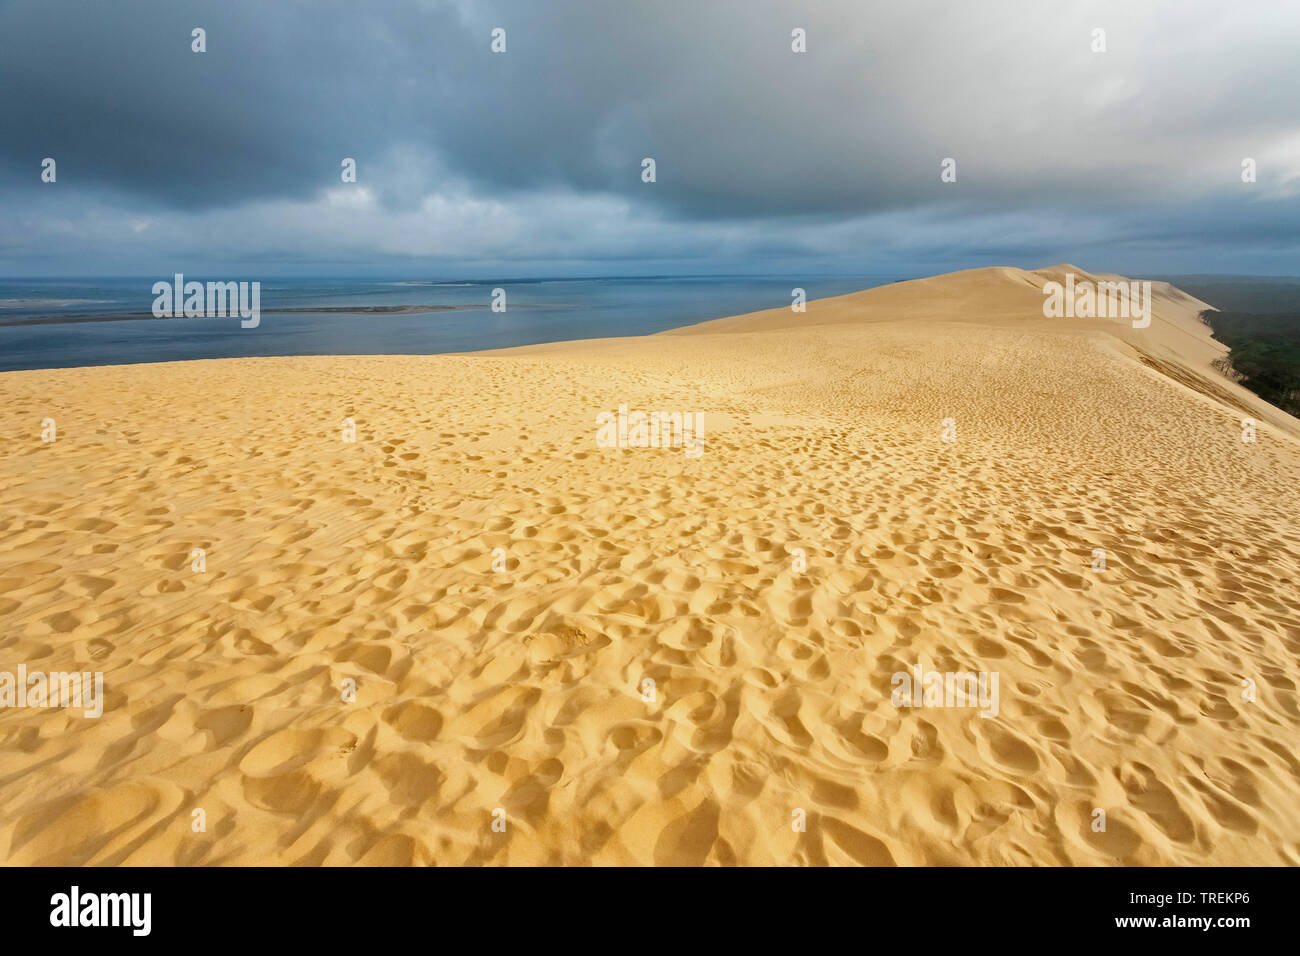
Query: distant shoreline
{"type": "Point", "coordinates": [133, 316]}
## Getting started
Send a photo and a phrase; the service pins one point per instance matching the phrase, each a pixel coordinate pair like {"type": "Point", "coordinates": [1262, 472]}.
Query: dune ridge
{"type": "Point", "coordinates": [522, 689]}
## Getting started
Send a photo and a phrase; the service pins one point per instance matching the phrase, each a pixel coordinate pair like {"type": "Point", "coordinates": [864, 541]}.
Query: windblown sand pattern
{"type": "Point", "coordinates": [1120, 690]}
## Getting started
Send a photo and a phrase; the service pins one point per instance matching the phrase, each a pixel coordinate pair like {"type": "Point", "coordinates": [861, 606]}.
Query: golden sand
{"type": "Point", "coordinates": [1120, 690]}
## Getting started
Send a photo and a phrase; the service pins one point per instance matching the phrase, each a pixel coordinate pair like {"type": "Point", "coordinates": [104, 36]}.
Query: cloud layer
{"type": "Point", "coordinates": [471, 162]}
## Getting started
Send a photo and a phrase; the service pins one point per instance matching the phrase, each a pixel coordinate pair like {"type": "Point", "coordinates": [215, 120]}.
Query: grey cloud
{"type": "Point", "coordinates": [760, 151]}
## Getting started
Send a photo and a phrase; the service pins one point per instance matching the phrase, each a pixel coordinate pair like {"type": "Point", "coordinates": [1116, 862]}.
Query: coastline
{"type": "Point", "coordinates": [149, 316]}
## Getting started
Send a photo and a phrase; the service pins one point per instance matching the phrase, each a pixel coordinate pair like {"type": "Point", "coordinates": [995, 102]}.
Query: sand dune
{"type": "Point", "coordinates": [1120, 690]}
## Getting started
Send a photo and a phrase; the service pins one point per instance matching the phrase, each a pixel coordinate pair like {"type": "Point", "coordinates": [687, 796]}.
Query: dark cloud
{"type": "Point", "coordinates": [759, 151]}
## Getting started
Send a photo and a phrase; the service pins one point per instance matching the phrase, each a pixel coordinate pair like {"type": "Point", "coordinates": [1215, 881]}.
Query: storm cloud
{"type": "Point", "coordinates": [530, 160]}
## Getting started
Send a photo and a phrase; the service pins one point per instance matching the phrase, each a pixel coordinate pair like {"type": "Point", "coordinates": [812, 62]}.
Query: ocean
{"type": "Point", "coordinates": [537, 310]}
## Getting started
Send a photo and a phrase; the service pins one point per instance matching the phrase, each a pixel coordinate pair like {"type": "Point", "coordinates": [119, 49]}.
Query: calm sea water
{"type": "Point", "coordinates": [538, 310]}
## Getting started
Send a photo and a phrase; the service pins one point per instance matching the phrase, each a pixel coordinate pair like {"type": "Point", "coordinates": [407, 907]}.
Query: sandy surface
{"type": "Point", "coordinates": [1120, 690]}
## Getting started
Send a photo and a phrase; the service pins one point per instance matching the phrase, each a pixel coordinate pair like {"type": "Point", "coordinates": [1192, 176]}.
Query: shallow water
{"type": "Point", "coordinates": [538, 310]}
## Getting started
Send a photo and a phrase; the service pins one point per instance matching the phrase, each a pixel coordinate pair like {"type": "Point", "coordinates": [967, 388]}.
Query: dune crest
{"type": "Point", "coordinates": [499, 588]}
{"type": "Point", "coordinates": [1178, 344]}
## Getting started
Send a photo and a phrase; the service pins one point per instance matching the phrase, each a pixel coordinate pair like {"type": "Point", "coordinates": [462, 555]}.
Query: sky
{"type": "Point", "coordinates": [473, 163]}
